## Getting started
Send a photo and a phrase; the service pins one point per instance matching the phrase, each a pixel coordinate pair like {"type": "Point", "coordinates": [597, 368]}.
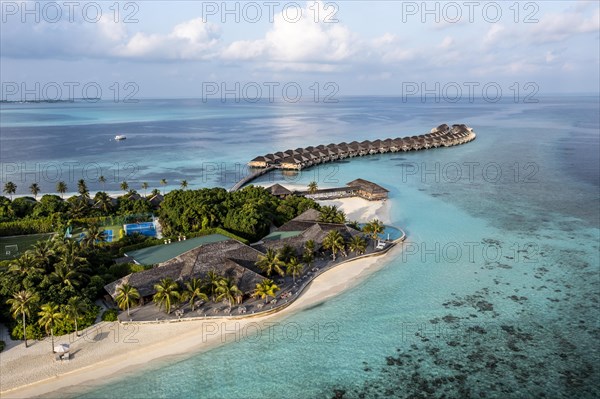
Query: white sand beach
{"type": "Point", "coordinates": [108, 349]}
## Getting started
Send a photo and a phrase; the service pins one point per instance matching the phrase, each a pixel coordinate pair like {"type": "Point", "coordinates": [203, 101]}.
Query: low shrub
{"type": "Point", "coordinates": [110, 315]}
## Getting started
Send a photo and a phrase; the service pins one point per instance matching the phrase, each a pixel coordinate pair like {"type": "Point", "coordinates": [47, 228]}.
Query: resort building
{"type": "Point", "coordinates": [295, 160]}
{"type": "Point", "coordinates": [356, 188]}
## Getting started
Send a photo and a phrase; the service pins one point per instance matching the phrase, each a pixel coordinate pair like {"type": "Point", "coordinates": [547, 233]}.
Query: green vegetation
{"type": "Point", "coordinates": [247, 213]}
{"type": "Point", "coordinates": [110, 315]}
{"type": "Point", "coordinates": [331, 214]}
{"type": "Point", "coordinates": [2, 345]}
{"type": "Point", "coordinates": [265, 289]}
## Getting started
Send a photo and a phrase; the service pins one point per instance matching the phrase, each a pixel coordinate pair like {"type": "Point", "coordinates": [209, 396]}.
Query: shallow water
{"type": "Point", "coordinates": [494, 295]}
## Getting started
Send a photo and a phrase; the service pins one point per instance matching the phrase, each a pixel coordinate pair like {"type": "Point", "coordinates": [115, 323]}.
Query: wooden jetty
{"type": "Point", "coordinates": [301, 158]}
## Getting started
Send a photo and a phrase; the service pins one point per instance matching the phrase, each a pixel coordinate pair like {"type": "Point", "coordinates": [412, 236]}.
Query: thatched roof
{"type": "Point", "coordinates": [367, 186]}
{"type": "Point", "coordinates": [278, 189]}
{"type": "Point", "coordinates": [230, 258]}
{"type": "Point", "coordinates": [311, 215]}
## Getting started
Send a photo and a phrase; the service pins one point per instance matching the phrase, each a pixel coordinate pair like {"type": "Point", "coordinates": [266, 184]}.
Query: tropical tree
{"type": "Point", "coordinates": [312, 187]}
{"type": "Point", "coordinates": [103, 202]}
{"type": "Point", "coordinates": [193, 291]}
{"type": "Point", "coordinates": [265, 289]}
{"type": "Point", "coordinates": [42, 251]}
{"type": "Point", "coordinates": [74, 309]}
{"type": "Point", "coordinates": [93, 236]}
{"type": "Point", "coordinates": [61, 188]}
{"type": "Point", "coordinates": [124, 186]}
{"type": "Point", "coordinates": [155, 191]}
{"type": "Point", "coordinates": [212, 282]}
{"type": "Point", "coordinates": [334, 242]}
{"type": "Point", "coordinates": [82, 189]}
{"type": "Point", "coordinates": [127, 295]}
{"type": "Point", "coordinates": [286, 253]}
{"type": "Point", "coordinates": [228, 291]}
{"type": "Point", "coordinates": [145, 188]}
{"type": "Point", "coordinates": [67, 276]}
{"type": "Point", "coordinates": [25, 265]}
{"type": "Point", "coordinates": [309, 247]}
{"type": "Point", "coordinates": [357, 244]}
{"type": "Point", "coordinates": [374, 228]}
{"type": "Point", "coordinates": [270, 263]}
{"type": "Point", "coordinates": [331, 214]}
{"type": "Point", "coordinates": [163, 182]}
{"type": "Point", "coordinates": [184, 184]}
{"type": "Point", "coordinates": [102, 180]}
{"type": "Point", "coordinates": [49, 314]}
{"type": "Point", "coordinates": [167, 294]}
{"type": "Point", "coordinates": [294, 268]}
{"type": "Point", "coordinates": [10, 188]}
{"type": "Point", "coordinates": [21, 304]}
{"type": "Point", "coordinates": [34, 189]}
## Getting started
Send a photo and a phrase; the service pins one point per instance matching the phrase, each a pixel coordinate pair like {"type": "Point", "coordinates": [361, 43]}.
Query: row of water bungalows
{"type": "Point", "coordinates": [441, 136]}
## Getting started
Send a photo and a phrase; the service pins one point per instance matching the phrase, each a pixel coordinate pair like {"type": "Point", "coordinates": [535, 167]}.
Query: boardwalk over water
{"type": "Point", "coordinates": [301, 158]}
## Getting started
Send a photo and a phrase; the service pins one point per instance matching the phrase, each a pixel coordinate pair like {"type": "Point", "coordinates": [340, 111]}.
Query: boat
{"type": "Point", "coordinates": [120, 137]}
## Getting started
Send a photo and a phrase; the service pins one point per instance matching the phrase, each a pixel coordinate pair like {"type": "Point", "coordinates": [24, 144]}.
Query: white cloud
{"type": "Point", "coordinates": [297, 43]}
{"type": "Point", "coordinates": [190, 40]}
{"type": "Point", "coordinates": [560, 26]}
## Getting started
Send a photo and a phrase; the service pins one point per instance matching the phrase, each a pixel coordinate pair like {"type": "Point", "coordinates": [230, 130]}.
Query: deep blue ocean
{"type": "Point", "coordinates": [496, 292]}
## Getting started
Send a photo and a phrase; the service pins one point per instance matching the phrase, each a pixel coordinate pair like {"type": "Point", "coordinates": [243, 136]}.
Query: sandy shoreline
{"type": "Point", "coordinates": [109, 349]}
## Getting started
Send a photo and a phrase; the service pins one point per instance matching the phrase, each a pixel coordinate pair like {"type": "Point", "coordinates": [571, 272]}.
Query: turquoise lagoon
{"type": "Point", "coordinates": [494, 294]}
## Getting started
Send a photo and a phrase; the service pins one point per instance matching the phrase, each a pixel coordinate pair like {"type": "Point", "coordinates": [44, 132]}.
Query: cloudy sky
{"type": "Point", "coordinates": [177, 49]}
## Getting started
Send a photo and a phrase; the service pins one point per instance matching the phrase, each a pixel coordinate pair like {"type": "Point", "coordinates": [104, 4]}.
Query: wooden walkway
{"type": "Point", "coordinates": [247, 179]}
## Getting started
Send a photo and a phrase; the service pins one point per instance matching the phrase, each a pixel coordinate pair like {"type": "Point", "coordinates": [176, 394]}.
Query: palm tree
{"type": "Point", "coordinates": [212, 281]}
{"type": "Point", "coordinates": [357, 244]}
{"type": "Point", "coordinates": [309, 247]}
{"type": "Point", "coordinates": [49, 314]}
{"type": "Point", "coordinates": [155, 191]}
{"type": "Point", "coordinates": [184, 184]}
{"type": "Point", "coordinates": [66, 275]}
{"type": "Point", "coordinates": [10, 188]}
{"type": "Point", "coordinates": [82, 189]}
{"type": "Point", "coordinates": [163, 182]}
{"type": "Point", "coordinates": [124, 186]}
{"type": "Point", "coordinates": [25, 265]}
{"type": "Point", "coordinates": [312, 187]}
{"type": "Point", "coordinates": [61, 188]}
{"type": "Point", "coordinates": [294, 268]}
{"type": "Point", "coordinates": [193, 291]}
{"type": "Point", "coordinates": [286, 253]}
{"type": "Point", "coordinates": [374, 228]}
{"type": "Point", "coordinates": [228, 291]}
{"type": "Point", "coordinates": [34, 189]}
{"type": "Point", "coordinates": [42, 251]}
{"type": "Point", "coordinates": [331, 214]}
{"type": "Point", "coordinates": [265, 289]}
{"type": "Point", "coordinates": [102, 180]}
{"type": "Point", "coordinates": [144, 187]}
{"type": "Point", "coordinates": [93, 236]}
{"type": "Point", "coordinates": [334, 242]}
{"type": "Point", "coordinates": [127, 296]}
{"type": "Point", "coordinates": [103, 202]}
{"type": "Point", "coordinates": [74, 309]}
{"type": "Point", "coordinates": [270, 262]}
{"type": "Point", "coordinates": [21, 303]}
{"type": "Point", "coordinates": [167, 294]}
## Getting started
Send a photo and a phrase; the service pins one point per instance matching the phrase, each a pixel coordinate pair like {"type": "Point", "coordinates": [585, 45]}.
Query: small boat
{"type": "Point", "coordinates": [120, 137]}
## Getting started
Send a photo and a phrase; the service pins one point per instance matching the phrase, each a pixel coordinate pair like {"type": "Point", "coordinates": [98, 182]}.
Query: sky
{"type": "Point", "coordinates": [193, 49]}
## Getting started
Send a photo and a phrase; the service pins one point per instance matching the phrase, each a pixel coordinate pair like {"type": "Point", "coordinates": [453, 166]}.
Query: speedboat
{"type": "Point", "coordinates": [120, 137]}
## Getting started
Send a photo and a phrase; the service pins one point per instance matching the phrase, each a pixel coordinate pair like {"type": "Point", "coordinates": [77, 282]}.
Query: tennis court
{"type": "Point", "coordinates": [145, 228]}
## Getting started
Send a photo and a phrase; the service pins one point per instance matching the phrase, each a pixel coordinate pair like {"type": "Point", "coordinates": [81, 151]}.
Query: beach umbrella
{"type": "Point", "coordinates": [62, 348]}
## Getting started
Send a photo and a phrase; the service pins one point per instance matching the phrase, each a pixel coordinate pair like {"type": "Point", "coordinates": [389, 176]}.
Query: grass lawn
{"type": "Point", "coordinates": [14, 246]}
